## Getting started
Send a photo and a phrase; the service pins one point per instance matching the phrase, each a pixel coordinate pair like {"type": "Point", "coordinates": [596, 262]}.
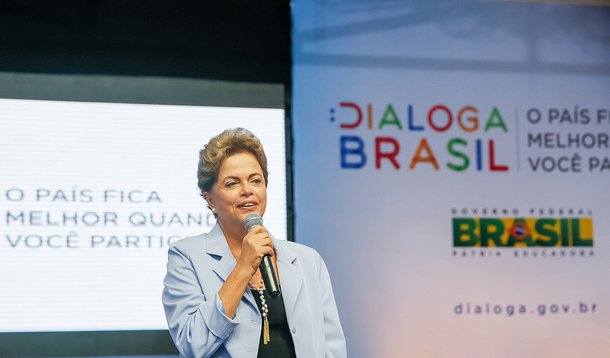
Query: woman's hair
{"type": "Point", "coordinates": [224, 145]}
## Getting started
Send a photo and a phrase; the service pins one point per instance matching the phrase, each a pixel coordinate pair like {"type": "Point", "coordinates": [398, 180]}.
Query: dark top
{"type": "Point", "coordinates": [280, 344]}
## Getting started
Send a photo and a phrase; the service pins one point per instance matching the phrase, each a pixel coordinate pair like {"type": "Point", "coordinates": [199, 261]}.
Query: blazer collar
{"type": "Point", "coordinates": [291, 276]}
{"type": "Point", "coordinates": [216, 246]}
{"type": "Point", "coordinates": [223, 261]}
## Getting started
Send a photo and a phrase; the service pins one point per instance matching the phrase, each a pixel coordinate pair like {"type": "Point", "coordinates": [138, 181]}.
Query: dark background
{"type": "Point", "coordinates": [225, 40]}
{"type": "Point", "coordinates": [242, 41]}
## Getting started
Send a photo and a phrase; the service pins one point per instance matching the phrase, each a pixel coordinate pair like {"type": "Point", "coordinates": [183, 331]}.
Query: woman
{"type": "Point", "coordinates": [214, 293]}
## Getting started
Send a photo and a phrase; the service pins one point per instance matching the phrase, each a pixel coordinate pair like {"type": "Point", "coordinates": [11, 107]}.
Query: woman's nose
{"type": "Point", "coordinates": [245, 189]}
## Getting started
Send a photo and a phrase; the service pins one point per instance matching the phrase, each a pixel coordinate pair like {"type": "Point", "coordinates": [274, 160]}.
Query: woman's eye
{"type": "Point", "coordinates": [257, 181]}
{"type": "Point", "coordinates": [231, 184]}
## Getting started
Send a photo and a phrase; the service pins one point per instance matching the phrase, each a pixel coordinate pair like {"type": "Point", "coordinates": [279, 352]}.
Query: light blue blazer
{"type": "Point", "coordinates": [196, 269]}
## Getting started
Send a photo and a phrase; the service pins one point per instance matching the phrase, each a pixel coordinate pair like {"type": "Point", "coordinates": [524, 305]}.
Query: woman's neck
{"type": "Point", "coordinates": [235, 237]}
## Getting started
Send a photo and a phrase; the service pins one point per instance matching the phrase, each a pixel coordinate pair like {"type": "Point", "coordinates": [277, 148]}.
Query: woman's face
{"type": "Point", "coordinates": [240, 190]}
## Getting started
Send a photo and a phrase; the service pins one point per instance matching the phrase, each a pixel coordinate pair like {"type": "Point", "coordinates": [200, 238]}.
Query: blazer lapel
{"type": "Point", "coordinates": [223, 262]}
{"type": "Point", "coordinates": [291, 277]}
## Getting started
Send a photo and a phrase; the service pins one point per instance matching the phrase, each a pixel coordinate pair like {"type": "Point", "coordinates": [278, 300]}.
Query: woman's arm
{"type": "Point", "coordinates": [255, 245]}
{"type": "Point", "coordinates": [197, 323]}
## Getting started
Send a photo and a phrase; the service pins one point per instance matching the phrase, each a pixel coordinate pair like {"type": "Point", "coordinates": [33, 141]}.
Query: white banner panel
{"type": "Point", "coordinates": [91, 194]}
{"type": "Point", "coordinates": [452, 162]}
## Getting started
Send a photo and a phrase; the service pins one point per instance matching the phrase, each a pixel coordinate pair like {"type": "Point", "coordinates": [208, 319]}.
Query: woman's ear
{"type": "Point", "coordinates": [208, 198]}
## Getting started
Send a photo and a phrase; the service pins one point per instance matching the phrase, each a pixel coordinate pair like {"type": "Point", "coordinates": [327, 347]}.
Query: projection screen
{"type": "Point", "coordinates": [99, 177]}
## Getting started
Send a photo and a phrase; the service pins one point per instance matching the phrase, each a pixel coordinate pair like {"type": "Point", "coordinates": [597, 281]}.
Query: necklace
{"type": "Point", "coordinates": [264, 309]}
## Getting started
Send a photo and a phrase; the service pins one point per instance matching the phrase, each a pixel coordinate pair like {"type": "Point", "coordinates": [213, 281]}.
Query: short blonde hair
{"type": "Point", "coordinates": [222, 146]}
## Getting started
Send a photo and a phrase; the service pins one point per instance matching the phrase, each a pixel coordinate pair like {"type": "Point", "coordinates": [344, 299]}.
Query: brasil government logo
{"type": "Point", "coordinates": [522, 236]}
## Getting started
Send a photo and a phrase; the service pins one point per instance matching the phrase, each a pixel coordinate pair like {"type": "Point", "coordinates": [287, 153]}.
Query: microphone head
{"type": "Point", "coordinates": [252, 219]}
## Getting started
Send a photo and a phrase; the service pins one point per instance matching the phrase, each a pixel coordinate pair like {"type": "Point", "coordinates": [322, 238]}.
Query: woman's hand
{"type": "Point", "coordinates": [256, 244]}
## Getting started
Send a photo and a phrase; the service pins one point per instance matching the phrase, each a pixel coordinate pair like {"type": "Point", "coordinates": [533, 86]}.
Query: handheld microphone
{"type": "Point", "coordinates": [266, 266]}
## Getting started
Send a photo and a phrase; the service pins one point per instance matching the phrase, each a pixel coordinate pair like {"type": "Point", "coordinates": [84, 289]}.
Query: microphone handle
{"type": "Point", "coordinates": [269, 277]}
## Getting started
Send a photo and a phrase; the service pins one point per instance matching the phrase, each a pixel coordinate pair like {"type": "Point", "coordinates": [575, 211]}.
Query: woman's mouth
{"type": "Point", "coordinates": [247, 205]}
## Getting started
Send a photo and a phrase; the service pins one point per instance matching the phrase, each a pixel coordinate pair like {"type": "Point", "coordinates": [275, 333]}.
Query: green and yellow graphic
{"type": "Point", "coordinates": [522, 232]}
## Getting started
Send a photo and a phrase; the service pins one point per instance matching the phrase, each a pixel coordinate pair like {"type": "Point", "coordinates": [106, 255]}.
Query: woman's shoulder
{"type": "Point", "coordinates": [188, 244]}
{"type": "Point", "coordinates": [295, 246]}
{"type": "Point", "coordinates": [298, 249]}
{"type": "Point", "coordinates": [214, 238]}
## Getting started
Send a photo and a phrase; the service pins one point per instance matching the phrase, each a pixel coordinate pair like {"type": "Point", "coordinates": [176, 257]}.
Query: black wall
{"type": "Point", "coordinates": [225, 40]}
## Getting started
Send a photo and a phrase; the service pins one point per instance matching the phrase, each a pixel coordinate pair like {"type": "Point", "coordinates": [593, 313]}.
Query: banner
{"type": "Point", "coordinates": [452, 162]}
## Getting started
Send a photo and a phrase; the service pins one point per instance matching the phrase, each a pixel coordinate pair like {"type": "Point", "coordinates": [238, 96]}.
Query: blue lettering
{"type": "Point", "coordinates": [355, 150]}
